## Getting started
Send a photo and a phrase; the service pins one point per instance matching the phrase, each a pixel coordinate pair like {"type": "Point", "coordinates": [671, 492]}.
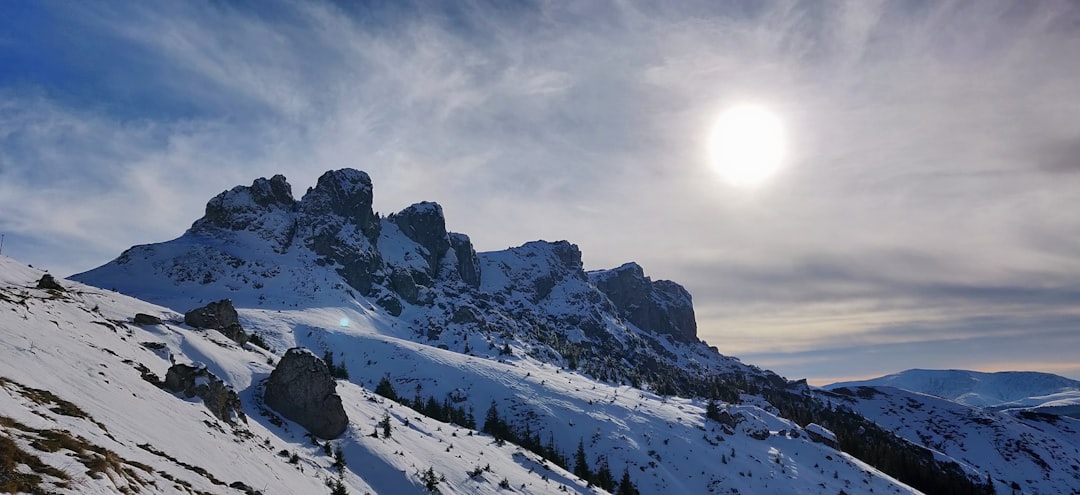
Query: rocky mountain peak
{"type": "Point", "coordinates": [265, 208]}
{"type": "Point", "coordinates": [662, 306]}
{"type": "Point", "coordinates": [425, 225]}
{"type": "Point", "coordinates": [274, 191]}
{"type": "Point", "coordinates": [340, 196]}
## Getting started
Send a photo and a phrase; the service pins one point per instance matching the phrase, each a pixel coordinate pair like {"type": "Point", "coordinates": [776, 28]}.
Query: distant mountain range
{"type": "Point", "coordinates": [1006, 390]}
{"type": "Point", "coordinates": [310, 345]}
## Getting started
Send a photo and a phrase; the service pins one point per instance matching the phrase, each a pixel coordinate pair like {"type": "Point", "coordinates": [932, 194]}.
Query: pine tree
{"type": "Point", "coordinates": [430, 480]}
{"type": "Point", "coordinates": [604, 478]}
{"type": "Point", "coordinates": [385, 424]}
{"type": "Point", "coordinates": [581, 462]}
{"type": "Point", "coordinates": [386, 389]}
{"type": "Point", "coordinates": [337, 487]}
{"type": "Point", "coordinates": [626, 487]}
{"type": "Point", "coordinates": [712, 410]}
{"type": "Point", "coordinates": [493, 424]}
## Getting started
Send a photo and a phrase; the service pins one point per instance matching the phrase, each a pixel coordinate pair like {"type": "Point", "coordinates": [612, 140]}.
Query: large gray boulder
{"type": "Point", "coordinates": [302, 389]}
{"type": "Point", "coordinates": [220, 316]}
{"type": "Point", "coordinates": [197, 381]}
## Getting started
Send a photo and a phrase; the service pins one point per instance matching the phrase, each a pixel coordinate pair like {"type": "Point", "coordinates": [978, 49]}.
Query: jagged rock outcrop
{"type": "Point", "coordinates": [468, 264]}
{"type": "Point", "coordinates": [265, 250]}
{"type": "Point", "coordinates": [145, 319]}
{"type": "Point", "coordinates": [265, 208]}
{"type": "Point", "coordinates": [662, 306]}
{"type": "Point", "coordinates": [197, 381]}
{"type": "Point", "coordinates": [425, 225]}
{"type": "Point", "coordinates": [302, 389]}
{"type": "Point", "coordinates": [336, 222]}
{"type": "Point", "coordinates": [48, 282]}
{"type": "Point", "coordinates": [220, 316]}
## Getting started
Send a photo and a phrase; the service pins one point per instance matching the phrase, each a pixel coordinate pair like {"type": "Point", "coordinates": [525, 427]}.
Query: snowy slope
{"type": "Point", "coordinates": [80, 346]}
{"type": "Point", "coordinates": [1023, 452]}
{"type": "Point", "coordinates": [1028, 390]}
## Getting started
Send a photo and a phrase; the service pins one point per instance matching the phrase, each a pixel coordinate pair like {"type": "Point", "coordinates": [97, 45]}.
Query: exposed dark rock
{"type": "Point", "coordinates": [662, 306]}
{"type": "Point", "coordinates": [391, 304]}
{"type": "Point", "coordinates": [145, 319]}
{"type": "Point", "coordinates": [302, 389]}
{"type": "Point", "coordinates": [466, 314]}
{"type": "Point", "coordinates": [402, 283]}
{"type": "Point", "coordinates": [468, 265]}
{"type": "Point", "coordinates": [336, 222]}
{"type": "Point", "coordinates": [220, 316]}
{"type": "Point", "coordinates": [425, 225]}
{"type": "Point", "coordinates": [218, 397]}
{"type": "Point", "coordinates": [48, 282]}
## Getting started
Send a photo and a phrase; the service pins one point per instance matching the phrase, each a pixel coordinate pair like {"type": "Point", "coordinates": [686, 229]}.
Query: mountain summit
{"type": "Point", "coordinates": [262, 248]}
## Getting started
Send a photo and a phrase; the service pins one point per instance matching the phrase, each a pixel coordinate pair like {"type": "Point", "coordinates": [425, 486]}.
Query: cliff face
{"type": "Point", "coordinates": [662, 306]}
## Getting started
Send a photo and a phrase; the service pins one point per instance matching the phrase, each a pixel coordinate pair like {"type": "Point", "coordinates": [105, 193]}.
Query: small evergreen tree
{"type": "Point", "coordinates": [385, 425]}
{"type": "Point", "coordinates": [604, 478]}
{"type": "Point", "coordinates": [581, 462]}
{"type": "Point", "coordinates": [430, 480]}
{"type": "Point", "coordinates": [712, 410]}
{"type": "Point", "coordinates": [493, 424]}
{"type": "Point", "coordinates": [626, 487]}
{"type": "Point", "coordinates": [386, 389]}
{"type": "Point", "coordinates": [337, 487]}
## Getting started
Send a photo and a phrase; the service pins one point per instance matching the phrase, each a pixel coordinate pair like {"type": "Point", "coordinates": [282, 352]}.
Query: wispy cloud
{"type": "Point", "coordinates": [930, 178]}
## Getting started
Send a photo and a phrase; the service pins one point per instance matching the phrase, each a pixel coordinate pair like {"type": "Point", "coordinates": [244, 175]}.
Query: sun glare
{"type": "Point", "coordinates": [746, 145]}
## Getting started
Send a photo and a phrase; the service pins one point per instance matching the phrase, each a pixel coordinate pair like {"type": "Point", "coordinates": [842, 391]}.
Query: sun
{"type": "Point", "coordinates": [746, 146]}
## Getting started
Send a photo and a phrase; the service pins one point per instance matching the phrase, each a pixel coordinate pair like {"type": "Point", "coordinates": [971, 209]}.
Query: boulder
{"type": "Point", "coordinates": [145, 319]}
{"type": "Point", "coordinates": [48, 282]}
{"type": "Point", "coordinates": [197, 381]}
{"type": "Point", "coordinates": [302, 389]}
{"type": "Point", "coordinates": [220, 316]}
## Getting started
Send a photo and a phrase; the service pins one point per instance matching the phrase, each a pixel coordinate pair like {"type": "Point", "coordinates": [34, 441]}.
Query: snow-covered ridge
{"type": "Point", "coordinates": [1021, 451]}
{"type": "Point", "coordinates": [1028, 390]}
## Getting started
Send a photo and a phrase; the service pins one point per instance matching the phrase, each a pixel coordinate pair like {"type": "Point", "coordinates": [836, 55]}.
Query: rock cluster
{"type": "Point", "coordinates": [220, 316]}
{"type": "Point", "coordinates": [302, 389]}
{"type": "Point", "coordinates": [197, 381]}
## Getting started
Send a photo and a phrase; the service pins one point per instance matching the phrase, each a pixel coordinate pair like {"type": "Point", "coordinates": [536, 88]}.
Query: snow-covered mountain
{"type": "Point", "coordinates": [1021, 451]}
{"type": "Point", "coordinates": [82, 410]}
{"type": "Point", "coordinates": [596, 373]}
{"type": "Point", "coordinates": [1006, 390]}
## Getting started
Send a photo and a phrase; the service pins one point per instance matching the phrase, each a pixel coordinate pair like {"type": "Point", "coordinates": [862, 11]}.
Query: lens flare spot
{"type": "Point", "coordinates": [344, 322]}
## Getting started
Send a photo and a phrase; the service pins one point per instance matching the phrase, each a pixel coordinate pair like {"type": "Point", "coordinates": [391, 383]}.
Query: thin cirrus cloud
{"type": "Point", "coordinates": [927, 196]}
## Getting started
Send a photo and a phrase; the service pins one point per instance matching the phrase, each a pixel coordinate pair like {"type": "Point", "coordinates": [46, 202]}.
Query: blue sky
{"type": "Point", "coordinates": [925, 215]}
